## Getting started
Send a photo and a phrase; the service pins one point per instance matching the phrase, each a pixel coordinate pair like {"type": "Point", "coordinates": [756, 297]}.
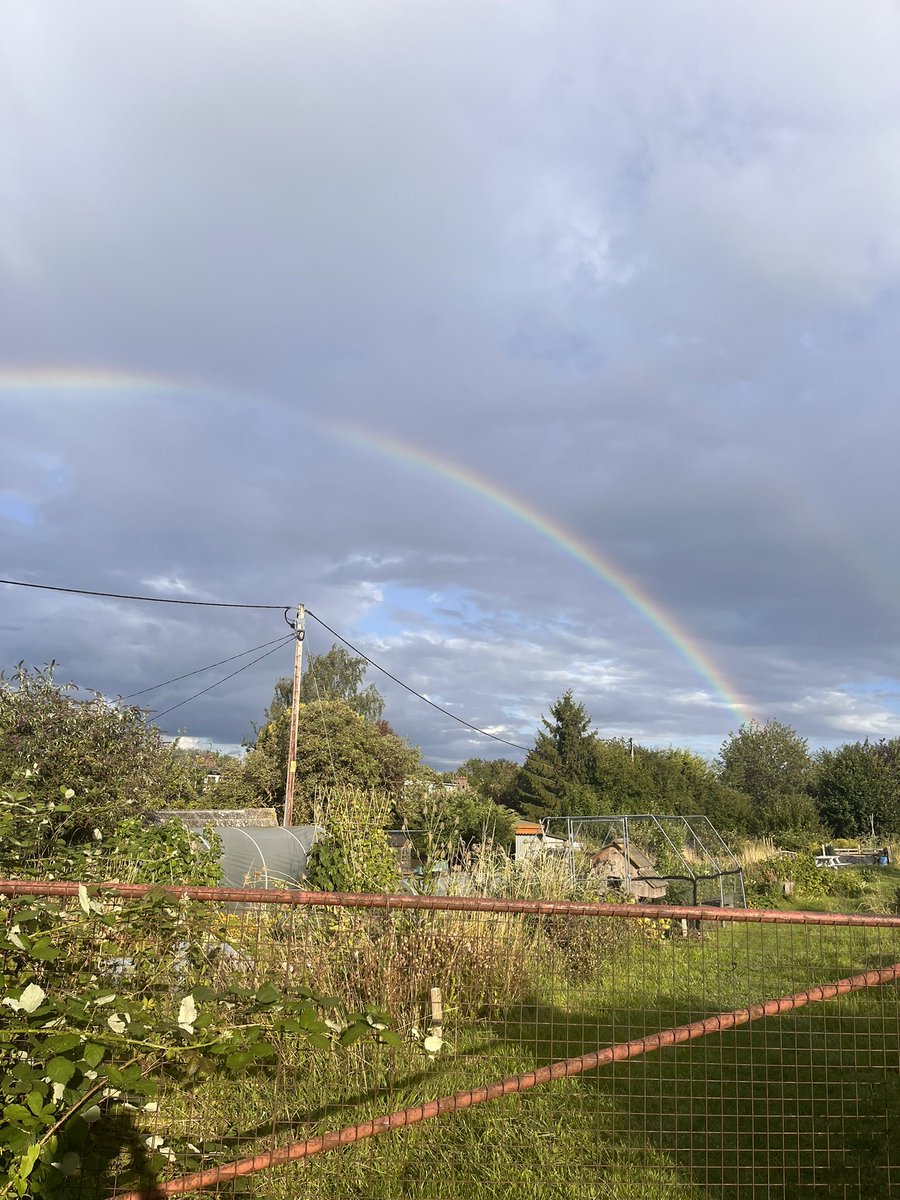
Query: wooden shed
{"type": "Point", "coordinates": [633, 872]}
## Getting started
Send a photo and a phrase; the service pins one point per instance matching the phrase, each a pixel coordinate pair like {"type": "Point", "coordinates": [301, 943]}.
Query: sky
{"type": "Point", "coordinates": [533, 347]}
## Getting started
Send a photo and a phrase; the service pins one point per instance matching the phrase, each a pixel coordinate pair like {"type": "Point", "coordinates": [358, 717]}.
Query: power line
{"type": "Point", "coordinates": [200, 670]}
{"type": "Point", "coordinates": [412, 690]}
{"type": "Point", "coordinates": [283, 642]}
{"type": "Point", "coordinates": [46, 587]}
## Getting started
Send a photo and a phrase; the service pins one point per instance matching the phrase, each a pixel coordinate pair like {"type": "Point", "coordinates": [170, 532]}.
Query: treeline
{"type": "Point", "coordinates": [764, 781]}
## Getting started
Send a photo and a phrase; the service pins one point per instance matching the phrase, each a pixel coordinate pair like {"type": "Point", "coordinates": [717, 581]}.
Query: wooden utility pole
{"type": "Point", "coordinates": [299, 632]}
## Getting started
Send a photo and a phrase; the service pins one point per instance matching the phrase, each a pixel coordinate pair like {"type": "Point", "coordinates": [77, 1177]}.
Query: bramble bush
{"type": "Point", "coordinates": [763, 879]}
{"type": "Point", "coordinates": [43, 836]}
{"type": "Point", "coordinates": [114, 760]}
{"type": "Point", "coordinates": [105, 1000]}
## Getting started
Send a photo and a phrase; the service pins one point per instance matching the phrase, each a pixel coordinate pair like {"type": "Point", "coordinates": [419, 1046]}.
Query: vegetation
{"type": "Point", "coordinates": [352, 852]}
{"type": "Point", "coordinates": [335, 675]}
{"type": "Point", "coordinates": [115, 762]}
{"type": "Point", "coordinates": [126, 1022]}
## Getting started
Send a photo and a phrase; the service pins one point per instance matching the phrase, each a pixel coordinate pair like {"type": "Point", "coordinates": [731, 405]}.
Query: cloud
{"type": "Point", "coordinates": [637, 267]}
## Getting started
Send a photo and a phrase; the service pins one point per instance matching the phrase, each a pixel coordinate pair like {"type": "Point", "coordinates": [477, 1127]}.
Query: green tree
{"type": "Point", "coordinates": [620, 784]}
{"type": "Point", "coordinates": [684, 784]}
{"type": "Point", "coordinates": [791, 818]}
{"type": "Point", "coordinates": [492, 778]}
{"type": "Point", "coordinates": [765, 761]}
{"type": "Point", "coordinates": [557, 774]}
{"type": "Point", "coordinates": [451, 818]}
{"type": "Point", "coordinates": [335, 675]}
{"type": "Point", "coordinates": [858, 785]}
{"type": "Point", "coordinates": [115, 762]}
{"type": "Point", "coordinates": [336, 747]}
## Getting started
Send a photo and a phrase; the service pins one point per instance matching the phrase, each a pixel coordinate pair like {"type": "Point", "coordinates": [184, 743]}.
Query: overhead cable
{"type": "Point", "coordinates": [46, 587]}
{"type": "Point", "coordinates": [200, 670]}
{"type": "Point", "coordinates": [283, 642]}
{"type": "Point", "coordinates": [412, 690]}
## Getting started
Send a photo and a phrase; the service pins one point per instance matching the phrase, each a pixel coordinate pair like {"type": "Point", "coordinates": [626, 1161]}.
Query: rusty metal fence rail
{"type": "Point", "coordinates": [544, 1049]}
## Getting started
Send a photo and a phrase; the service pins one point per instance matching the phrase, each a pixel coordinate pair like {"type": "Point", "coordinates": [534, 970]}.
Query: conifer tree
{"type": "Point", "coordinates": [556, 776]}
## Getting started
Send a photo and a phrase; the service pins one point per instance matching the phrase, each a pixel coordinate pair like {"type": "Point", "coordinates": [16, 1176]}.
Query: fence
{"type": "Point", "coordinates": [529, 1049]}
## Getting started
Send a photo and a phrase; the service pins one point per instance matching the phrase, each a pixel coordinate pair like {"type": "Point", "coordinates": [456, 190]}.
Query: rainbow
{"type": "Point", "coordinates": [109, 382]}
{"type": "Point", "coordinates": [103, 381]}
{"type": "Point", "coordinates": [576, 547]}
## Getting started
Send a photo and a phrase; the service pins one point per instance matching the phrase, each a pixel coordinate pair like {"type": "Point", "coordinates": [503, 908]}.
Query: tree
{"type": "Point", "coordinates": [492, 778]}
{"type": "Point", "coordinates": [335, 675]}
{"type": "Point", "coordinates": [336, 747]}
{"type": "Point", "coordinates": [765, 761]}
{"type": "Point", "coordinates": [556, 776]}
{"type": "Point", "coordinates": [620, 784]}
{"type": "Point", "coordinates": [684, 784]}
{"type": "Point", "coordinates": [449, 819]}
{"type": "Point", "coordinates": [858, 785]}
{"type": "Point", "coordinates": [116, 764]}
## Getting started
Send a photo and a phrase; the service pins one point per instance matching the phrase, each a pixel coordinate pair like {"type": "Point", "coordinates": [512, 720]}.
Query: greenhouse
{"type": "Point", "coordinates": [264, 858]}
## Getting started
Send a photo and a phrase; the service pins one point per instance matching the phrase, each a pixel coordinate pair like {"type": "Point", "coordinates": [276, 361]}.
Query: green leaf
{"type": "Point", "coordinates": [309, 1019]}
{"type": "Point", "coordinates": [354, 1033]}
{"type": "Point", "coordinates": [61, 1042]}
{"type": "Point", "coordinates": [27, 1161]}
{"type": "Point", "coordinates": [389, 1038]}
{"type": "Point", "coordinates": [318, 1041]}
{"type": "Point", "coordinates": [268, 994]}
{"type": "Point", "coordinates": [61, 1069]}
{"type": "Point", "coordinates": [35, 1101]}
{"type": "Point", "coordinates": [93, 1054]}
{"type": "Point", "coordinates": [45, 951]}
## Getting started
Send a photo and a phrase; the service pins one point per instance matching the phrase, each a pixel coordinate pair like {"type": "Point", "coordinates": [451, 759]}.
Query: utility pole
{"type": "Point", "coordinates": [299, 632]}
{"type": "Point", "coordinates": [631, 747]}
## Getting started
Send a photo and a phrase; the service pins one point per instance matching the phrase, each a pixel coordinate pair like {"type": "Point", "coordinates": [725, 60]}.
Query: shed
{"type": "Point", "coordinates": [533, 840]}
{"type": "Point", "coordinates": [634, 872]}
{"type": "Point", "coordinates": [264, 858]}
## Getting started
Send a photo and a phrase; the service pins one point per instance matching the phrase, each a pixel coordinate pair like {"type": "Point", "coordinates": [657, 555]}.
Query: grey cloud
{"type": "Point", "coordinates": [629, 266]}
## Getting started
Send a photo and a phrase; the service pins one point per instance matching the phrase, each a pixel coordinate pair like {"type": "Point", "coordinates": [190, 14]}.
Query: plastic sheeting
{"type": "Point", "coordinates": [264, 858]}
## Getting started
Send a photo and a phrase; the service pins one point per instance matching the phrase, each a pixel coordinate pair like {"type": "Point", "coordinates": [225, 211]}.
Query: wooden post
{"type": "Point", "coordinates": [295, 720]}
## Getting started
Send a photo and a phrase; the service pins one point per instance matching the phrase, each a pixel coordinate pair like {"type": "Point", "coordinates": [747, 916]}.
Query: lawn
{"type": "Point", "coordinates": [803, 1104]}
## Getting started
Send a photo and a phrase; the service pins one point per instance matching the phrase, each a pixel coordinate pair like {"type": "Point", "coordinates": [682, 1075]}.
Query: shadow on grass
{"type": "Point", "coordinates": [803, 1104]}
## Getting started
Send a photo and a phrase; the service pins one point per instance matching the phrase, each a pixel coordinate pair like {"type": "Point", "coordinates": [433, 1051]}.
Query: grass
{"type": "Point", "coordinates": [805, 1104]}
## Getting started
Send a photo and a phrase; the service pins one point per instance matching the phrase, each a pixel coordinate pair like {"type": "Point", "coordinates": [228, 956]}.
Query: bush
{"type": "Point", "coordinates": [115, 763]}
{"type": "Point", "coordinates": [763, 880]}
{"type": "Point", "coordinates": [44, 838]}
{"type": "Point", "coordinates": [105, 999]}
{"type": "Point", "coordinates": [352, 853]}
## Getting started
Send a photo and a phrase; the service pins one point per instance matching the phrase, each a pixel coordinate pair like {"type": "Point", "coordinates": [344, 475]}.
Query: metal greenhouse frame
{"type": "Point", "coordinates": [706, 868]}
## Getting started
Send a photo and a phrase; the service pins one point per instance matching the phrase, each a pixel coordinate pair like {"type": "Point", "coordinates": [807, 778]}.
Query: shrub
{"type": "Point", "coordinates": [44, 837]}
{"type": "Point", "coordinates": [352, 853]}
{"type": "Point", "coordinates": [115, 763]}
{"type": "Point", "coordinates": [106, 999]}
{"type": "Point", "coordinates": [763, 879]}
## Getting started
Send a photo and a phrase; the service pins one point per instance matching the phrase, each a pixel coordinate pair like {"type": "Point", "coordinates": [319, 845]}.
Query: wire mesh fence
{"type": "Point", "coordinates": [316, 1045]}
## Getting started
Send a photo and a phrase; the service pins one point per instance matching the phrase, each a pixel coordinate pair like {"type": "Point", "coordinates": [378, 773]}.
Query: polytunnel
{"type": "Point", "coordinates": [264, 858]}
